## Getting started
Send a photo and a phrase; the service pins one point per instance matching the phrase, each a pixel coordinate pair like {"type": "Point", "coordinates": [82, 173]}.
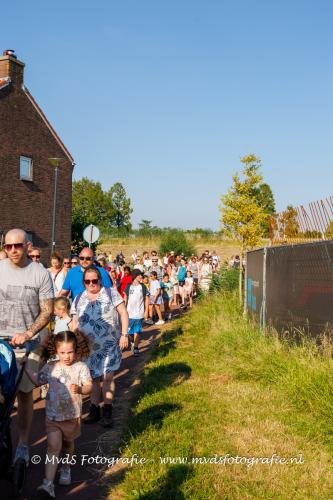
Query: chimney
{"type": "Point", "coordinates": [11, 67]}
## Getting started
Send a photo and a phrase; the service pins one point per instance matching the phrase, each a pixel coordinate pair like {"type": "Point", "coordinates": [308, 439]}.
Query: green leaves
{"type": "Point", "coordinates": [91, 205]}
{"type": "Point", "coordinates": [244, 211]}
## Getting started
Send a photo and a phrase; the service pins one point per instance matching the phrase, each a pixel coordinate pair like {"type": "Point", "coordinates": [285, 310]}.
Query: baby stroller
{"type": "Point", "coordinates": [9, 383]}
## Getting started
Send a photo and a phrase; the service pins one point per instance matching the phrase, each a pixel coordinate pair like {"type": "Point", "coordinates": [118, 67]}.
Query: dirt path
{"type": "Point", "coordinates": [87, 480]}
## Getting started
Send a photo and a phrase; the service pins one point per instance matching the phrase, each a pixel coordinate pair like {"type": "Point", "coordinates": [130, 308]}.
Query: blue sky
{"type": "Point", "coordinates": [165, 97]}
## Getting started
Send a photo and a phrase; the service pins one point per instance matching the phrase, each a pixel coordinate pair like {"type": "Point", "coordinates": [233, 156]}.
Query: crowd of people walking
{"type": "Point", "coordinates": [77, 316]}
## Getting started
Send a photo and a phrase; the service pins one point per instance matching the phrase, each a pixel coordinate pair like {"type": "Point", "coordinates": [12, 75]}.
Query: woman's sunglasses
{"type": "Point", "coordinates": [74, 262]}
{"type": "Point", "coordinates": [67, 263]}
{"type": "Point", "coordinates": [9, 246]}
{"type": "Point", "coordinates": [91, 282]}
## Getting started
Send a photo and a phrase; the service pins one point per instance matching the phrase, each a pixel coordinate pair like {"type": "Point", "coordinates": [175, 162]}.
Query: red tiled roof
{"type": "Point", "coordinates": [4, 82]}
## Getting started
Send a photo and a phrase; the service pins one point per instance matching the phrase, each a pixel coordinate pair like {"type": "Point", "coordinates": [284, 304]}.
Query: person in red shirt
{"type": "Point", "coordinates": [125, 280]}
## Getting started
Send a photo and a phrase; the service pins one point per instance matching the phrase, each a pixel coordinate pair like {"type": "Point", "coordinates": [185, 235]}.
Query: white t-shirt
{"type": "Point", "coordinates": [21, 290]}
{"type": "Point", "coordinates": [58, 281]}
{"type": "Point", "coordinates": [136, 295]}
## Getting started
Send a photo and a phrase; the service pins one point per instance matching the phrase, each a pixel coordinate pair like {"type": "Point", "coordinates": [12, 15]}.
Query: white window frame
{"type": "Point", "coordinates": [30, 176]}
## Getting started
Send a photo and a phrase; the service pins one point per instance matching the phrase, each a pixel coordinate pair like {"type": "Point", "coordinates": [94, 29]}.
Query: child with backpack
{"type": "Point", "coordinates": [137, 302]}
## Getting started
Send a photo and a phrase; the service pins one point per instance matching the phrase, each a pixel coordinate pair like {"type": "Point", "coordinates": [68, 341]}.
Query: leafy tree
{"type": "Point", "coordinates": [176, 240]}
{"type": "Point", "coordinates": [146, 229]}
{"type": "Point", "coordinates": [265, 200]}
{"type": "Point", "coordinates": [289, 226]}
{"type": "Point", "coordinates": [265, 197]}
{"type": "Point", "coordinates": [121, 204]}
{"type": "Point", "coordinates": [89, 206]}
{"type": "Point", "coordinates": [241, 215]}
{"type": "Point", "coordinates": [90, 203]}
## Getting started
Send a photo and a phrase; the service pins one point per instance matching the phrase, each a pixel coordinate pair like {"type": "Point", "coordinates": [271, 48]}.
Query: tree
{"type": "Point", "coordinates": [176, 241]}
{"type": "Point", "coordinates": [90, 203]}
{"type": "Point", "coordinates": [121, 217]}
{"type": "Point", "coordinates": [265, 200]}
{"type": "Point", "coordinates": [89, 206]}
{"type": "Point", "coordinates": [242, 216]}
{"type": "Point", "coordinates": [288, 223]}
{"type": "Point", "coordinates": [146, 229]}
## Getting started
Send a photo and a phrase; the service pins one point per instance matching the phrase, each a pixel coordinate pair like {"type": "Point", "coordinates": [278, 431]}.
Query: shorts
{"type": "Point", "coordinates": [34, 362]}
{"type": "Point", "coordinates": [134, 326]}
{"type": "Point", "coordinates": [158, 301]}
{"type": "Point", "coordinates": [70, 429]}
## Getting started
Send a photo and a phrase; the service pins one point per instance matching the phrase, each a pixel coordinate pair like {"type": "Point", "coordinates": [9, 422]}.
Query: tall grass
{"type": "Point", "coordinates": [216, 385]}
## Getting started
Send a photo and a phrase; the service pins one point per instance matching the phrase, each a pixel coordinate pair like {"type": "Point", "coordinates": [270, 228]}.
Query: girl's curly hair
{"type": "Point", "coordinates": [80, 341]}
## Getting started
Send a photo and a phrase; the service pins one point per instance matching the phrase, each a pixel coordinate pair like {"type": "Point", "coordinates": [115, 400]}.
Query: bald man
{"type": "Point", "coordinates": [73, 283]}
{"type": "Point", "coordinates": [26, 306]}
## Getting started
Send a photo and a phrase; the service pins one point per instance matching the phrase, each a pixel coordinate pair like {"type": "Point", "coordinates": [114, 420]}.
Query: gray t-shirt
{"type": "Point", "coordinates": [21, 289]}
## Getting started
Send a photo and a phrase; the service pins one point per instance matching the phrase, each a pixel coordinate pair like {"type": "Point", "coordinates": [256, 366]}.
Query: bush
{"type": "Point", "coordinates": [226, 280]}
{"type": "Point", "coordinates": [176, 241]}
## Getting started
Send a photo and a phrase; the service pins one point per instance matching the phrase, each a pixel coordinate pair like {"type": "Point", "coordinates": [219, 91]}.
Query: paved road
{"type": "Point", "coordinates": [87, 480]}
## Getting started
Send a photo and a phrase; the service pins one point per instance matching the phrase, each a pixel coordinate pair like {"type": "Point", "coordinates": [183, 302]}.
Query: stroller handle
{"type": "Point", "coordinates": [27, 345]}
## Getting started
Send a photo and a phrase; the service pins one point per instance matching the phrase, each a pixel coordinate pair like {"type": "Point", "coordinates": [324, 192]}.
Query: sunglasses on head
{"type": "Point", "coordinates": [91, 282]}
{"type": "Point", "coordinates": [17, 246]}
{"type": "Point", "coordinates": [88, 259]}
{"type": "Point", "coordinates": [32, 256]}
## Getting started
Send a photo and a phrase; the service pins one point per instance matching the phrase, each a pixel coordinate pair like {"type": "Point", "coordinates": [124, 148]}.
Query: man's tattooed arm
{"type": "Point", "coordinates": [46, 311]}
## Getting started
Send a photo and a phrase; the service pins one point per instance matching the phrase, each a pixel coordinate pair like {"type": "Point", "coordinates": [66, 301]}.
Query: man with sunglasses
{"type": "Point", "coordinates": [26, 306]}
{"type": "Point", "coordinates": [74, 261]}
{"type": "Point", "coordinates": [73, 283]}
{"type": "Point", "coordinates": [34, 253]}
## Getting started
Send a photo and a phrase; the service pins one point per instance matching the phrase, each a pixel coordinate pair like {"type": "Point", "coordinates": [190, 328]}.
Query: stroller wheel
{"type": "Point", "coordinates": [19, 476]}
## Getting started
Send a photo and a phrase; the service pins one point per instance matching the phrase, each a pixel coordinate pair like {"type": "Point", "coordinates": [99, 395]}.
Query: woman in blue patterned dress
{"type": "Point", "coordinates": [101, 314]}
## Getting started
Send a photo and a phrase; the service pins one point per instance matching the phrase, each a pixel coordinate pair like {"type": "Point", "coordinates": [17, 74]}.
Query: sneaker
{"type": "Point", "coordinates": [149, 321]}
{"type": "Point", "coordinates": [46, 489]}
{"type": "Point", "coordinates": [65, 475]}
{"type": "Point", "coordinates": [170, 317]}
{"type": "Point", "coordinates": [136, 351]}
{"type": "Point", "coordinates": [106, 420]}
{"type": "Point", "coordinates": [22, 453]}
{"type": "Point", "coordinates": [94, 415]}
{"type": "Point", "coordinates": [160, 322]}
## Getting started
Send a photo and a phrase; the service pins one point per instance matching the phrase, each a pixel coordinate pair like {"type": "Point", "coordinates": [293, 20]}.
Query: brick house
{"type": "Point", "coordinates": [27, 141]}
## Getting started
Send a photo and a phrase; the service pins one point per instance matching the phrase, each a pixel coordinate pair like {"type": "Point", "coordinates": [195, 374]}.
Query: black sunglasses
{"type": "Point", "coordinates": [67, 263]}
{"type": "Point", "coordinates": [17, 246]}
{"type": "Point", "coordinates": [91, 282]}
{"type": "Point", "coordinates": [88, 259]}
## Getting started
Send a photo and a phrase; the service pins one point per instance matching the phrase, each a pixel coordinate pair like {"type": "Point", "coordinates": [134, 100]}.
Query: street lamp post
{"type": "Point", "coordinates": [55, 162]}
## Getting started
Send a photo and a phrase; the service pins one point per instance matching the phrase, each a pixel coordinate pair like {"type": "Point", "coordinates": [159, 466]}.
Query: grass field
{"type": "Point", "coordinates": [224, 248]}
{"type": "Point", "coordinates": [218, 387]}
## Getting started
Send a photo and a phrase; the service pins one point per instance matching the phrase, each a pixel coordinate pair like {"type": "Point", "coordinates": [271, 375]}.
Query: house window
{"type": "Point", "coordinates": [25, 168]}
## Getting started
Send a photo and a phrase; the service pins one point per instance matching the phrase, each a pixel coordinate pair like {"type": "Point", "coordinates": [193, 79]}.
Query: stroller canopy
{"type": "Point", "coordinates": [8, 369]}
